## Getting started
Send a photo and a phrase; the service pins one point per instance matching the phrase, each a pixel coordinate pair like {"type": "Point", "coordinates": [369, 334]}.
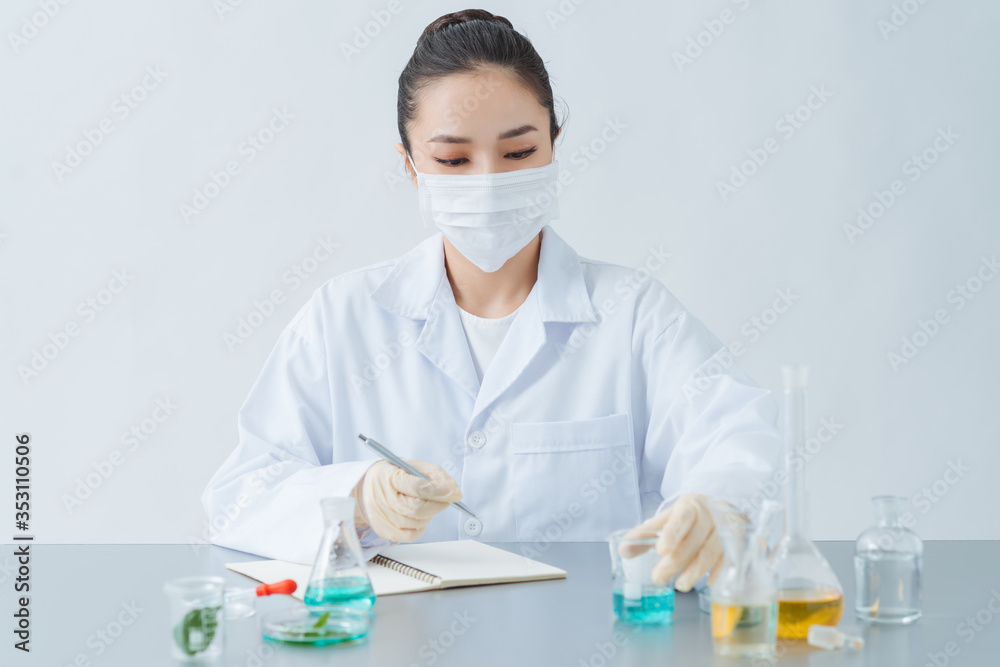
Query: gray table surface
{"type": "Point", "coordinates": [81, 592]}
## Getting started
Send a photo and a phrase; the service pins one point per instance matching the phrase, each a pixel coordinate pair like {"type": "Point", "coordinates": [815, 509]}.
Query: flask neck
{"type": "Point", "coordinates": [796, 496]}
{"type": "Point", "coordinates": [888, 510]}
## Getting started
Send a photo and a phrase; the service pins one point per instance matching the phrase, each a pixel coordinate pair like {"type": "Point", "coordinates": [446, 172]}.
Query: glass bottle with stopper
{"type": "Point", "coordinates": [888, 560]}
{"type": "Point", "coordinates": [809, 592]}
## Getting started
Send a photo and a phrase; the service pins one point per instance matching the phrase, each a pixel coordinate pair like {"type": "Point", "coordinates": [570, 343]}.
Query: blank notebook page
{"type": "Point", "coordinates": [457, 563]}
{"type": "Point", "coordinates": [468, 562]}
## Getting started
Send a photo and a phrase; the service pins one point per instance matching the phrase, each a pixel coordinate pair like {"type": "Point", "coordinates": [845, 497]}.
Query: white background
{"type": "Point", "coordinates": [332, 173]}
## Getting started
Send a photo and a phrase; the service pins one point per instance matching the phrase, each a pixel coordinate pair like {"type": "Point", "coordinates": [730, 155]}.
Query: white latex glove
{"type": "Point", "coordinates": [397, 505]}
{"type": "Point", "coordinates": [688, 541]}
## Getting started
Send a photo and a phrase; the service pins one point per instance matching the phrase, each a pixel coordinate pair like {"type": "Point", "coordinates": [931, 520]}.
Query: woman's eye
{"type": "Point", "coordinates": [456, 162]}
{"type": "Point", "coordinates": [522, 154]}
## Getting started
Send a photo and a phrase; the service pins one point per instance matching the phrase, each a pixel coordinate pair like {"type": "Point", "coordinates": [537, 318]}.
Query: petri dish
{"type": "Point", "coordinates": [315, 627]}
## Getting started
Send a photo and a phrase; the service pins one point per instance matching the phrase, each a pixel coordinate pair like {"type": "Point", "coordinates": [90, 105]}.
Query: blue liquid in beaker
{"type": "Point", "coordinates": [652, 607]}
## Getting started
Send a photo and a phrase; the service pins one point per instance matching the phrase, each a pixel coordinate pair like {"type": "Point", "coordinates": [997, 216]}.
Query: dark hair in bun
{"type": "Point", "coordinates": [471, 40]}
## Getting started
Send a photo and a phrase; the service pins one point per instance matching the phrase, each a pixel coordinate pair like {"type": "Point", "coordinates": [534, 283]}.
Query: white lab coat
{"type": "Point", "coordinates": [606, 401]}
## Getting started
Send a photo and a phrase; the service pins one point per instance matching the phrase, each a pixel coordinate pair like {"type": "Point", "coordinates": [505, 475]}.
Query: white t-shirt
{"type": "Point", "coordinates": [485, 335]}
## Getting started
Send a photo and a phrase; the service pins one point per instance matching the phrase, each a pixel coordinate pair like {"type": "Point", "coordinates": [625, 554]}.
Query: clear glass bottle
{"type": "Point", "coordinates": [809, 592]}
{"type": "Point", "coordinates": [744, 597]}
{"type": "Point", "coordinates": [339, 576]}
{"type": "Point", "coordinates": [888, 567]}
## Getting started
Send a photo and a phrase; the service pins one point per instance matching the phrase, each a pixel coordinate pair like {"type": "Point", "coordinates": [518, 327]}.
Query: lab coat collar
{"type": "Point", "coordinates": [415, 282]}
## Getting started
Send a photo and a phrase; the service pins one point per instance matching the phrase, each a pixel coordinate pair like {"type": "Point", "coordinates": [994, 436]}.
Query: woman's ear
{"type": "Point", "coordinates": [407, 167]}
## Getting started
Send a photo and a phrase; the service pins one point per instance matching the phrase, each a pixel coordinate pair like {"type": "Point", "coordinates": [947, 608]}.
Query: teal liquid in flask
{"type": "Point", "coordinates": [339, 597]}
{"type": "Point", "coordinates": [339, 576]}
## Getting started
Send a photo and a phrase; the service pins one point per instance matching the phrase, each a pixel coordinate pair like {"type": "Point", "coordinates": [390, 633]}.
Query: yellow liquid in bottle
{"type": "Point", "coordinates": [745, 629]}
{"type": "Point", "coordinates": [797, 610]}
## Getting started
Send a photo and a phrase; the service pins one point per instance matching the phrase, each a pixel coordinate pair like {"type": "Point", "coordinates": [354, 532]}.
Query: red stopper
{"type": "Point", "coordinates": [286, 587]}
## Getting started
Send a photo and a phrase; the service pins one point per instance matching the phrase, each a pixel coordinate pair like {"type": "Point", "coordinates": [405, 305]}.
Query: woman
{"type": "Point", "coordinates": [559, 397]}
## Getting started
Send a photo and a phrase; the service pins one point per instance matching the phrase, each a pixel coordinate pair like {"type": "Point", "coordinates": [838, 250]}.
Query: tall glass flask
{"type": "Point", "coordinates": [809, 592]}
{"type": "Point", "coordinates": [888, 563]}
{"type": "Point", "coordinates": [339, 575]}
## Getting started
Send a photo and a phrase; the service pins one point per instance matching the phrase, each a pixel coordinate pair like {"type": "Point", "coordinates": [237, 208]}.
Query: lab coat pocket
{"type": "Point", "coordinates": [575, 480]}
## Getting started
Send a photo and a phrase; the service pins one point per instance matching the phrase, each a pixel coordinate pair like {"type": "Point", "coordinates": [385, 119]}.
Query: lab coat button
{"type": "Point", "coordinates": [477, 439]}
{"type": "Point", "coordinates": [473, 526]}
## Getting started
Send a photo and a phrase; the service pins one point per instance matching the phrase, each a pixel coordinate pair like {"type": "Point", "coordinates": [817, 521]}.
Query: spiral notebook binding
{"type": "Point", "coordinates": [409, 571]}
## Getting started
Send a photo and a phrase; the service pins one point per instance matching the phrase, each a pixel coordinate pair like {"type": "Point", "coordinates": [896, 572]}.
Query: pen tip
{"type": "Point", "coordinates": [360, 435]}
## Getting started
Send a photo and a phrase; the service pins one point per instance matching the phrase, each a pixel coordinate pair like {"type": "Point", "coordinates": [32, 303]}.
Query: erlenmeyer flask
{"type": "Point", "coordinates": [339, 575]}
{"type": "Point", "coordinates": [745, 594]}
{"type": "Point", "coordinates": [809, 592]}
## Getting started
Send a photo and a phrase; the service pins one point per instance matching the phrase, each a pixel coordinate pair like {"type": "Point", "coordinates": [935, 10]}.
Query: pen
{"type": "Point", "coordinates": [382, 451]}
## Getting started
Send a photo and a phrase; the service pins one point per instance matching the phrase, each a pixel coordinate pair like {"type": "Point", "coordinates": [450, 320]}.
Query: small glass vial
{"type": "Point", "coordinates": [888, 564]}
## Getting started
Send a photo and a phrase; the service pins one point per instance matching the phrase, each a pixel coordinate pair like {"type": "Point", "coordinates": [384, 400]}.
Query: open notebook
{"type": "Point", "coordinates": [409, 568]}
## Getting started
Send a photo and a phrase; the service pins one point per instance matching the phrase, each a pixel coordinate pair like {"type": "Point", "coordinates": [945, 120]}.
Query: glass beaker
{"type": "Point", "coordinates": [197, 618]}
{"type": "Point", "coordinates": [635, 597]}
{"type": "Point", "coordinates": [744, 597]}
{"type": "Point", "coordinates": [809, 592]}
{"type": "Point", "coordinates": [888, 564]}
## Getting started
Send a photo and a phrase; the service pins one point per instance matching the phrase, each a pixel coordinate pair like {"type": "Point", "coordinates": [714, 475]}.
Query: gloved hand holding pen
{"type": "Point", "coordinates": [687, 541]}
{"type": "Point", "coordinates": [397, 505]}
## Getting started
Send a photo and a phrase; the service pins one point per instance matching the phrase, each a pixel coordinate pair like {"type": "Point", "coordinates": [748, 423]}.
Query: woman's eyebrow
{"type": "Point", "coordinates": [450, 139]}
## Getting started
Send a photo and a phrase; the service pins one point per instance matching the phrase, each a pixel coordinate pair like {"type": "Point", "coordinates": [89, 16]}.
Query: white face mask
{"type": "Point", "coordinates": [489, 218]}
